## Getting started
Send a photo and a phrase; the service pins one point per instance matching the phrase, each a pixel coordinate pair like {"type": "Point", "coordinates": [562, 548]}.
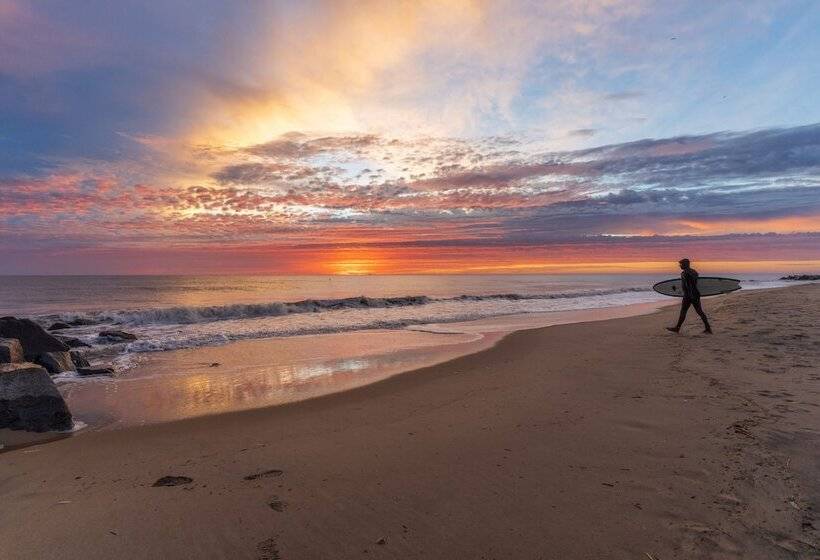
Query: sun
{"type": "Point", "coordinates": [352, 268]}
{"type": "Point", "coordinates": [356, 262]}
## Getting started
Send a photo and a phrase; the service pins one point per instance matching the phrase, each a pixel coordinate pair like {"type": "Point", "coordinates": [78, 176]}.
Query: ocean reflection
{"type": "Point", "coordinates": [173, 385]}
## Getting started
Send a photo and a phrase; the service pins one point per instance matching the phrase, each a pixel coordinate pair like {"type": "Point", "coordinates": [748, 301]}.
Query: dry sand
{"type": "Point", "coordinates": [613, 439]}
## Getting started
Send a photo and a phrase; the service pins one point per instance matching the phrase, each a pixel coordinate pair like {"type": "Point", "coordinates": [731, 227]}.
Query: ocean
{"type": "Point", "coordinates": [173, 312]}
{"type": "Point", "coordinates": [208, 344]}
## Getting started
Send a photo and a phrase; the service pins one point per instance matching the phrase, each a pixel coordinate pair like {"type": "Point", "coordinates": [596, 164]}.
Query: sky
{"type": "Point", "coordinates": [370, 137]}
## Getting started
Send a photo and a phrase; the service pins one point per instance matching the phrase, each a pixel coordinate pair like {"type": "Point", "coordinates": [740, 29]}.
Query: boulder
{"type": "Point", "coordinates": [56, 362]}
{"type": "Point", "coordinates": [33, 338]}
{"type": "Point", "coordinates": [117, 336]}
{"type": "Point", "coordinates": [58, 326]}
{"type": "Point", "coordinates": [79, 360]}
{"type": "Point", "coordinates": [29, 400]}
{"type": "Point", "coordinates": [72, 342]}
{"type": "Point", "coordinates": [86, 371]}
{"type": "Point", "coordinates": [10, 351]}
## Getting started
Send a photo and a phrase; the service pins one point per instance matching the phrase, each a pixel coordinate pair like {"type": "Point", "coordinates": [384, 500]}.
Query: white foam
{"type": "Point", "coordinates": [68, 377]}
{"type": "Point", "coordinates": [185, 315]}
{"type": "Point", "coordinates": [190, 327]}
{"type": "Point", "coordinates": [65, 377]}
{"type": "Point", "coordinates": [76, 426]}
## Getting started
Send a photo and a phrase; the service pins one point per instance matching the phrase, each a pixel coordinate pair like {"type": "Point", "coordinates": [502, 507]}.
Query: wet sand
{"type": "Point", "coordinates": [166, 386]}
{"type": "Point", "coordinates": [612, 439]}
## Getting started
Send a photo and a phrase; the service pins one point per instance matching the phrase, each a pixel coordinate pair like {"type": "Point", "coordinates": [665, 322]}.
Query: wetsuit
{"type": "Point", "coordinates": [691, 296]}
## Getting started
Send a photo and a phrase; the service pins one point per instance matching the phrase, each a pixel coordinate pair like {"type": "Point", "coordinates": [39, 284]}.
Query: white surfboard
{"type": "Point", "coordinates": [707, 286]}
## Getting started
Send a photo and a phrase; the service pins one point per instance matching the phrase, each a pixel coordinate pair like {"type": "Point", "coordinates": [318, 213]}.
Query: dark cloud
{"type": "Point", "coordinates": [266, 173]}
{"type": "Point", "coordinates": [656, 185]}
{"type": "Point", "coordinates": [664, 210]}
{"type": "Point", "coordinates": [297, 146]}
{"type": "Point", "coordinates": [693, 160]}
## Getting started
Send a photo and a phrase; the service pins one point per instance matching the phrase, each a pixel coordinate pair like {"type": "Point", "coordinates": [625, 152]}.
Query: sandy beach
{"type": "Point", "coordinates": [611, 439]}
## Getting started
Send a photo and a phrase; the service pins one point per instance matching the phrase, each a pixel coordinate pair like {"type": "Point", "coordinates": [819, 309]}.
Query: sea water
{"type": "Point", "coordinates": [219, 343]}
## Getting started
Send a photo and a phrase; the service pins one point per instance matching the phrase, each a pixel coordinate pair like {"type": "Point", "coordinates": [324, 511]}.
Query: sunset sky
{"type": "Point", "coordinates": [388, 137]}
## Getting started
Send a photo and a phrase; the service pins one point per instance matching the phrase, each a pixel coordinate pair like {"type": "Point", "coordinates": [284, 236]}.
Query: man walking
{"type": "Point", "coordinates": [691, 296]}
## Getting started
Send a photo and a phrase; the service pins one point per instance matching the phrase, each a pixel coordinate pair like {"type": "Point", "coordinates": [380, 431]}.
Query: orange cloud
{"type": "Point", "coordinates": [790, 224]}
{"type": "Point", "coordinates": [407, 67]}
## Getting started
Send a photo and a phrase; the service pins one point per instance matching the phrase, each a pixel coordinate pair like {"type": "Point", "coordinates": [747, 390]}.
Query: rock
{"type": "Point", "coordinates": [33, 338]}
{"type": "Point", "coordinates": [58, 326]}
{"type": "Point", "coordinates": [72, 342]}
{"type": "Point", "coordinates": [10, 351]}
{"type": "Point", "coordinates": [79, 360]}
{"type": "Point", "coordinates": [29, 400]}
{"type": "Point", "coordinates": [88, 371]}
{"type": "Point", "coordinates": [117, 335]}
{"type": "Point", "coordinates": [801, 277]}
{"type": "Point", "coordinates": [56, 362]}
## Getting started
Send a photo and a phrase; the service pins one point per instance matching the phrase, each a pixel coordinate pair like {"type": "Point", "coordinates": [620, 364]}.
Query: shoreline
{"type": "Point", "coordinates": [545, 445]}
{"type": "Point", "coordinates": [173, 385]}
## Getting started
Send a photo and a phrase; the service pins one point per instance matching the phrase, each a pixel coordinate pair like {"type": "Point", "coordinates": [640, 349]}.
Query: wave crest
{"type": "Point", "coordinates": [184, 315]}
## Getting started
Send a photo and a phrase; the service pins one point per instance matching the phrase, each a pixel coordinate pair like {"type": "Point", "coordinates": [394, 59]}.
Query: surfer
{"type": "Point", "coordinates": [691, 297]}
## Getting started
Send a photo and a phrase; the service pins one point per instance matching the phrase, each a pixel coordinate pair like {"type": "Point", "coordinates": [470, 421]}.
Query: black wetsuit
{"type": "Point", "coordinates": [691, 296]}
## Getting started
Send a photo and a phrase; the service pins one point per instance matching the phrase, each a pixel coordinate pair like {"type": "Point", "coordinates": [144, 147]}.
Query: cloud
{"type": "Point", "coordinates": [689, 160]}
{"type": "Point", "coordinates": [583, 132]}
{"type": "Point", "coordinates": [440, 68]}
{"type": "Point", "coordinates": [709, 183]}
{"type": "Point", "coordinates": [32, 43]}
{"type": "Point", "coordinates": [468, 123]}
{"type": "Point", "coordinates": [266, 173]}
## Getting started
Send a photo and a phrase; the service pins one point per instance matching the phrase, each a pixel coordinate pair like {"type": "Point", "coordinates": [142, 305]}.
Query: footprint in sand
{"type": "Point", "coordinates": [268, 550]}
{"type": "Point", "coordinates": [709, 542]}
{"type": "Point", "coordinates": [264, 474]}
{"type": "Point", "coordinates": [172, 481]}
{"type": "Point", "coordinates": [277, 505]}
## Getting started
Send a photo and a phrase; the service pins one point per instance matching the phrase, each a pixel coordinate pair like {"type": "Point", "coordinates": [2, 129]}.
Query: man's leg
{"type": "Point", "coordinates": [684, 307]}
{"type": "Point", "coordinates": [699, 310]}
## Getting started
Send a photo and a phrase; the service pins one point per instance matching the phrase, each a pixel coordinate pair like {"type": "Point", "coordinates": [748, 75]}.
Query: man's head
{"type": "Point", "coordinates": [684, 264]}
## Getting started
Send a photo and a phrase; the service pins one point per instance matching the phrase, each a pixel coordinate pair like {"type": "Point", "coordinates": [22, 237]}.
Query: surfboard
{"type": "Point", "coordinates": [707, 286]}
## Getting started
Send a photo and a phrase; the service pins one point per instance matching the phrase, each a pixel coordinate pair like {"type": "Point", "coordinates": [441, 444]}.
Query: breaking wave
{"type": "Point", "coordinates": [185, 315]}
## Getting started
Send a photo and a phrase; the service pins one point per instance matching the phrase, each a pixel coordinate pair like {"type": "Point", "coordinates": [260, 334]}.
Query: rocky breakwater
{"type": "Point", "coordinates": [38, 346]}
{"type": "Point", "coordinates": [11, 351]}
{"type": "Point", "coordinates": [29, 400]}
{"type": "Point", "coordinates": [29, 355]}
{"type": "Point", "coordinates": [802, 277]}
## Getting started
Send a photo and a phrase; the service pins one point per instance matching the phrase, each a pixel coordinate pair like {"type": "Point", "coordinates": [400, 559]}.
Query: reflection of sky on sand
{"type": "Point", "coordinates": [172, 385]}
{"type": "Point", "coordinates": [305, 372]}
{"type": "Point", "coordinates": [166, 386]}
